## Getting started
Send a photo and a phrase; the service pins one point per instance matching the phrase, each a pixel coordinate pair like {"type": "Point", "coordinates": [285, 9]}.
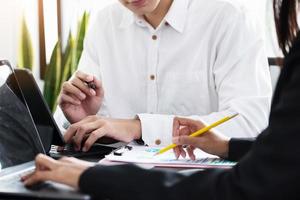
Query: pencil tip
{"type": "Point", "coordinates": [234, 115]}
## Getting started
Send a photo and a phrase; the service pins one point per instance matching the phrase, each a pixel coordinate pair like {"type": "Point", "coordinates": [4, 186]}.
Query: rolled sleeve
{"type": "Point", "coordinates": [156, 129]}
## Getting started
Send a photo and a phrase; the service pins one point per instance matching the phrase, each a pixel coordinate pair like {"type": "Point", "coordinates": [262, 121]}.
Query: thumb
{"type": "Point", "coordinates": [186, 140]}
{"type": "Point", "coordinates": [44, 162]}
{"type": "Point", "coordinates": [99, 89]}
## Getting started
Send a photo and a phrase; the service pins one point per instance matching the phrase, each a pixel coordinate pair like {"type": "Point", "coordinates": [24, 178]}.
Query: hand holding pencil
{"type": "Point", "coordinates": [186, 132]}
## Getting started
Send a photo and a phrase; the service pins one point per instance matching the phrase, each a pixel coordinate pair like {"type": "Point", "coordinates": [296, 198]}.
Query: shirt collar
{"type": "Point", "coordinates": [127, 19]}
{"type": "Point", "coordinates": [176, 17]}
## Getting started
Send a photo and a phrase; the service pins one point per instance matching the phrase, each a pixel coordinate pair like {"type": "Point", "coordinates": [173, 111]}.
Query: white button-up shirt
{"type": "Point", "coordinates": [206, 60]}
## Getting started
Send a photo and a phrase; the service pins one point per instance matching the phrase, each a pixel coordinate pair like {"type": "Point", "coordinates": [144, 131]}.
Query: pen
{"type": "Point", "coordinates": [91, 85]}
{"type": "Point", "coordinates": [199, 132]}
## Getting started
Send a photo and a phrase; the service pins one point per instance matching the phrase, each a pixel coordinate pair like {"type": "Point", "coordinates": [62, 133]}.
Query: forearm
{"type": "Point", "coordinates": [238, 148]}
{"type": "Point", "coordinates": [132, 182]}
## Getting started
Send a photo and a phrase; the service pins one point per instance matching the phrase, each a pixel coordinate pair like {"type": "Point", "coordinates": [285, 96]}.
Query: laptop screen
{"type": "Point", "coordinates": [19, 140]}
{"type": "Point", "coordinates": [38, 108]}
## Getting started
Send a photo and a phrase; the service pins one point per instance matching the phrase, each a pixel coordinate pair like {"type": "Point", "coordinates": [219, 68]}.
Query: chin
{"type": "Point", "coordinates": [142, 11]}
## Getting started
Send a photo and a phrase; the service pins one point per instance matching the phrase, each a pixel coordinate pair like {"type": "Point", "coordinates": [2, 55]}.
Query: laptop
{"type": "Point", "coordinates": [20, 142]}
{"type": "Point", "coordinates": [44, 122]}
{"type": "Point", "coordinates": [27, 128]}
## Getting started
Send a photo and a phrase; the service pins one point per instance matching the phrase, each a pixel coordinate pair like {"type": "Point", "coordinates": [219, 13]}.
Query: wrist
{"type": "Point", "coordinates": [73, 177]}
{"type": "Point", "coordinates": [132, 128]}
{"type": "Point", "coordinates": [136, 129]}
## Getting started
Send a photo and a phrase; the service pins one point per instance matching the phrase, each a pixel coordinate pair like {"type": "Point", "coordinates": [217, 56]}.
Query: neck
{"type": "Point", "coordinates": [154, 18]}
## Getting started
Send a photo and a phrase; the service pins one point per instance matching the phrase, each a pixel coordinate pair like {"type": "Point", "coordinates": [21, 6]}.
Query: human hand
{"type": "Point", "coordinates": [65, 171]}
{"type": "Point", "coordinates": [209, 142]}
{"type": "Point", "coordinates": [77, 100]}
{"type": "Point", "coordinates": [94, 127]}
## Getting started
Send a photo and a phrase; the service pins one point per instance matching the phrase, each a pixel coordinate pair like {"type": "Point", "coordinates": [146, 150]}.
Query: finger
{"type": "Point", "coordinates": [68, 88]}
{"type": "Point", "coordinates": [45, 162]}
{"type": "Point", "coordinates": [69, 134]}
{"type": "Point", "coordinates": [64, 98]}
{"type": "Point", "coordinates": [186, 140]}
{"type": "Point", "coordinates": [99, 89]}
{"type": "Point", "coordinates": [82, 86]}
{"type": "Point", "coordinates": [79, 136]}
{"type": "Point", "coordinates": [185, 121]}
{"type": "Point", "coordinates": [184, 131]}
{"type": "Point", "coordinates": [77, 140]}
{"type": "Point", "coordinates": [84, 129]}
{"type": "Point", "coordinates": [195, 125]}
{"type": "Point", "coordinates": [71, 131]}
{"type": "Point", "coordinates": [42, 163]}
{"type": "Point", "coordinates": [94, 136]}
{"type": "Point", "coordinates": [84, 77]}
{"type": "Point", "coordinates": [38, 177]}
{"type": "Point", "coordinates": [177, 152]}
{"type": "Point", "coordinates": [26, 176]}
{"type": "Point", "coordinates": [182, 153]}
{"type": "Point", "coordinates": [190, 151]}
{"type": "Point", "coordinates": [176, 127]}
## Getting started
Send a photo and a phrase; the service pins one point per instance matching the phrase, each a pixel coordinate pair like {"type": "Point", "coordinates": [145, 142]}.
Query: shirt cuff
{"type": "Point", "coordinates": [156, 129]}
{"type": "Point", "coordinates": [61, 121]}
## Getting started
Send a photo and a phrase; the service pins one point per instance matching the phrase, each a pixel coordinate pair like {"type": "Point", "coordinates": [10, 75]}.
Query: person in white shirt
{"type": "Point", "coordinates": [151, 60]}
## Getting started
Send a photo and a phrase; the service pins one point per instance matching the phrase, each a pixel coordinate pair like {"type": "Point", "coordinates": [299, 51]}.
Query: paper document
{"type": "Point", "coordinates": [145, 155]}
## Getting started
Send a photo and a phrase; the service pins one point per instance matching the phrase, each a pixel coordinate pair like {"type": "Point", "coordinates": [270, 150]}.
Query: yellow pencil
{"type": "Point", "coordinates": [199, 132]}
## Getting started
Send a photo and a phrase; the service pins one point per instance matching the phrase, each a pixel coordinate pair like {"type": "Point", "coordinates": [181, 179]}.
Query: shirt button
{"type": "Point", "coordinates": [152, 77]}
{"type": "Point", "coordinates": [157, 142]}
{"type": "Point", "coordinates": [154, 37]}
{"type": "Point", "coordinates": [166, 23]}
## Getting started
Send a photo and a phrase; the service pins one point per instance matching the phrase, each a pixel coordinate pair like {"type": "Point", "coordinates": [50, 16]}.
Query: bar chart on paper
{"type": "Point", "coordinates": [145, 155]}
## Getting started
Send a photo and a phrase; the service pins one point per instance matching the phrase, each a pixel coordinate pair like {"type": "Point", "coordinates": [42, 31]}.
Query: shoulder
{"type": "Point", "coordinates": [292, 58]}
{"type": "Point", "coordinates": [295, 47]}
{"type": "Point", "coordinates": [223, 13]}
{"type": "Point", "coordinates": [290, 74]}
{"type": "Point", "coordinates": [228, 7]}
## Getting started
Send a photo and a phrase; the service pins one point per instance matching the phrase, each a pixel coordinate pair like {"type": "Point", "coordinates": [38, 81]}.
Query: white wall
{"type": "Point", "coordinates": [262, 11]}
{"type": "Point", "coordinates": [73, 10]}
{"type": "Point", "coordinates": [10, 22]}
{"type": "Point", "coordinates": [9, 17]}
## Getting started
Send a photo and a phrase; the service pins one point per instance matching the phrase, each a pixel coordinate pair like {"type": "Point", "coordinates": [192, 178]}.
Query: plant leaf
{"type": "Point", "coordinates": [52, 77]}
{"type": "Point", "coordinates": [81, 32]}
{"type": "Point", "coordinates": [25, 55]}
{"type": "Point", "coordinates": [67, 60]}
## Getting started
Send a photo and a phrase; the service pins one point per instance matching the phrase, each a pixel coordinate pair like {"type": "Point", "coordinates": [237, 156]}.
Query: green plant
{"type": "Point", "coordinates": [53, 72]}
{"type": "Point", "coordinates": [25, 49]}
{"type": "Point", "coordinates": [64, 63]}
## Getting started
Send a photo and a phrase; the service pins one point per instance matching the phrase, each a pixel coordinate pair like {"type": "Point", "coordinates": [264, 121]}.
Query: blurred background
{"type": "Point", "coordinates": [46, 36]}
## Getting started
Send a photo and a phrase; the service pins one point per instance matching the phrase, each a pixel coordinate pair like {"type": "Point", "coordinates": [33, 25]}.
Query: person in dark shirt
{"type": "Point", "coordinates": [268, 167]}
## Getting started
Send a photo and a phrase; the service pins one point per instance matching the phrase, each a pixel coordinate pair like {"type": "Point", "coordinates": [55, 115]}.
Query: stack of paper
{"type": "Point", "coordinates": [145, 155]}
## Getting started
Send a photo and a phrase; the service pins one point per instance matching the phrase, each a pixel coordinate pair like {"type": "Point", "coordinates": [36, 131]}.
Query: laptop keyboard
{"type": "Point", "coordinates": [12, 179]}
{"type": "Point", "coordinates": [69, 150]}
